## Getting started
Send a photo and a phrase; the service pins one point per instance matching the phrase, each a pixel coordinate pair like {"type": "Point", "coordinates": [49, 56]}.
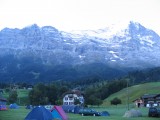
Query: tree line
{"type": "Point", "coordinates": [52, 93]}
{"type": "Point", "coordinates": [95, 90]}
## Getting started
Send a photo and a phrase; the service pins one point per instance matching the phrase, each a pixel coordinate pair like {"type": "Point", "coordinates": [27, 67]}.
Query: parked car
{"type": "Point", "coordinates": [154, 112]}
{"type": "Point", "coordinates": [89, 112]}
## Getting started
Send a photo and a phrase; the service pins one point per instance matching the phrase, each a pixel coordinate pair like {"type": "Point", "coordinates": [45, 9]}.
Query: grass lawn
{"type": "Point", "coordinates": [22, 96]}
{"type": "Point", "coordinates": [116, 113]}
{"type": "Point", "coordinates": [14, 114]}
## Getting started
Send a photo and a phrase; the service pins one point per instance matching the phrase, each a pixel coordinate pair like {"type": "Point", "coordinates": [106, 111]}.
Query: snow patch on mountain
{"type": "Point", "coordinates": [118, 29]}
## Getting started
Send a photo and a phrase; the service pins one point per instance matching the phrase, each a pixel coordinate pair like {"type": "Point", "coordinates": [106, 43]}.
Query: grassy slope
{"type": "Point", "coordinates": [134, 92]}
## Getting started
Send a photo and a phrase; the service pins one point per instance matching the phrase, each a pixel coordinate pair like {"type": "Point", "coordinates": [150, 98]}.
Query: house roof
{"type": "Point", "coordinates": [149, 96]}
{"type": "Point", "coordinates": [136, 99]}
{"type": "Point", "coordinates": [2, 98]}
{"type": "Point", "coordinates": [1, 90]}
{"type": "Point", "coordinates": [77, 92]}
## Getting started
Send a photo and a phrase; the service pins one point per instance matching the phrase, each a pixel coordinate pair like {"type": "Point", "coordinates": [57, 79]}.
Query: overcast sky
{"type": "Point", "coordinates": [79, 14]}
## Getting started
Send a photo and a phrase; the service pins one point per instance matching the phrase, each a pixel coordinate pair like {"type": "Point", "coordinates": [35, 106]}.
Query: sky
{"type": "Point", "coordinates": [70, 15]}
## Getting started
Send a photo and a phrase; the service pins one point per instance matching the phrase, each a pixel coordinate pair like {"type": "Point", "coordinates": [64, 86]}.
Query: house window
{"type": "Point", "coordinates": [70, 103]}
{"type": "Point", "coordinates": [70, 98]}
{"type": "Point", "coordinates": [66, 98]}
{"type": "Point", "coordinates": [65, 103]}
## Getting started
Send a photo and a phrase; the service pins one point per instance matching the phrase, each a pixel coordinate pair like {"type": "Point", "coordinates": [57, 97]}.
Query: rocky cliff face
{"type": "Point", "coordinates": [44, 53]}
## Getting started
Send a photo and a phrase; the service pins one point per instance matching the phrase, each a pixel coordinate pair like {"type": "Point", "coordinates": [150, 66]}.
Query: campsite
{"type": "Point", "coordinates": [116, 113]}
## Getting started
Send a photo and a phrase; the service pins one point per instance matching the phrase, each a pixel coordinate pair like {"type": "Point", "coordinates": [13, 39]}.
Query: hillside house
{"type": "Point", "coordinates": [1, 91]}
{"type": "Point", "coordinates": [148, 100]}
{"type": "Point", "coordinates": [3, 101]}
{"type": "Point", "coordinates": [70, 98]}
{"type": "Point", "coordinates": [151, 100]}
{"type": "Point", "coordinates": [30, 87]}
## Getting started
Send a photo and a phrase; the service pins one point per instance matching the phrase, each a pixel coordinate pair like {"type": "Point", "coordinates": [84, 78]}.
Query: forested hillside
{"type": "Point", "coordinates": [147, 75]}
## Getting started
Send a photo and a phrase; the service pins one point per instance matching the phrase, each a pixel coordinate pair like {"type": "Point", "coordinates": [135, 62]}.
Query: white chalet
{"type": "Point", "coordinates": [70, 97]}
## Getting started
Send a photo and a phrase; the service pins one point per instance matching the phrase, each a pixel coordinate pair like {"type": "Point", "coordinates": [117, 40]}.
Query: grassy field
{"type": "Point", "coordinates": [22, 96]}
{"type": "Point", "coordinates": [14, 114]}
{"type": "Point", "coordinates": [116, 113]}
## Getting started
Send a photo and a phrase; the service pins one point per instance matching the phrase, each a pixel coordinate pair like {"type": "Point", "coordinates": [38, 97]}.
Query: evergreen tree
{"type": "Point", "coordinates": [13, 96]}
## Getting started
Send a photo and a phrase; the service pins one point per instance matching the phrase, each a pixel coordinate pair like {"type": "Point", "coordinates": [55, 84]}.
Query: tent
{"type": "Point", "coordinates": [2, 103]}
{"type": "Point", "coordinates": [76, 109]}
{"type": "Point", "coordinates": [3, 107]}
{"type": "Point", "coordinates": [71, 108]}
{"type": "Point", "coordinates": [58, 113]}
{"type": "Point", "coordinates": [105, 113]}
{"type": "Point", "coordinates": [13, 106]}
{"type": "Point", "coordinates": [133, 113]}
{"type": "Point", "coordinates": [39, 113]}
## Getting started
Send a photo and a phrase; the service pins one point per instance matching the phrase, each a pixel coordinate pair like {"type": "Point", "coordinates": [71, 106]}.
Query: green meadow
{"type": "Point", "coordinates": [22, 96]}
{"type": "Point", "coordinates": [116, 113]}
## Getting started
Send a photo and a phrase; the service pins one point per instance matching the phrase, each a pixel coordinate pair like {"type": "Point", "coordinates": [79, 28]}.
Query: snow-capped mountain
{"type": "Point", "coordinates": [80, 53]}
{"type": "Point", "coordinates": [134, 46]}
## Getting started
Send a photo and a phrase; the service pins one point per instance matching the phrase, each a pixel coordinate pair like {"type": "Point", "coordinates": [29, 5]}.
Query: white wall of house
{"type": "Point", "coordinates": [69, 99]}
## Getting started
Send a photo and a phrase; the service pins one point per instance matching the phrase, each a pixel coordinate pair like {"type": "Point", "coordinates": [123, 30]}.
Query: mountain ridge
{"type": "Point", "coordinates": [134, 47]}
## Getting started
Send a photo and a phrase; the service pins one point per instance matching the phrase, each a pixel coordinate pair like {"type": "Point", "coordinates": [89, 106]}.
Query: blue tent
{"type": "Point", "coordinates": [76, 109]}
{"type": "Point", "coordinates": [39, 113]}
{"type": "Point", "coordinates": [105, 113]}
{"type": "Point", "coordinates": [13, 106]}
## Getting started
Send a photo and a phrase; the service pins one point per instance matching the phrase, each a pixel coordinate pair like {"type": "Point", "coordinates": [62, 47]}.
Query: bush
{"type": "Point", "coordinates": [115, 101]}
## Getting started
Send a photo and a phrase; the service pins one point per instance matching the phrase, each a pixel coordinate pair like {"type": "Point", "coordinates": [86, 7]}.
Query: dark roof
{"type": "Point", "coordinates": [1, 90]}
{"type": "Point", "coordinates": [149, 96]}
{"type": "Point", "coordinates": [136, 99]}
{"type": "Point", "coordinates": [2, 98]}
{"type": "Point", "coordinates": [79, 93]}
